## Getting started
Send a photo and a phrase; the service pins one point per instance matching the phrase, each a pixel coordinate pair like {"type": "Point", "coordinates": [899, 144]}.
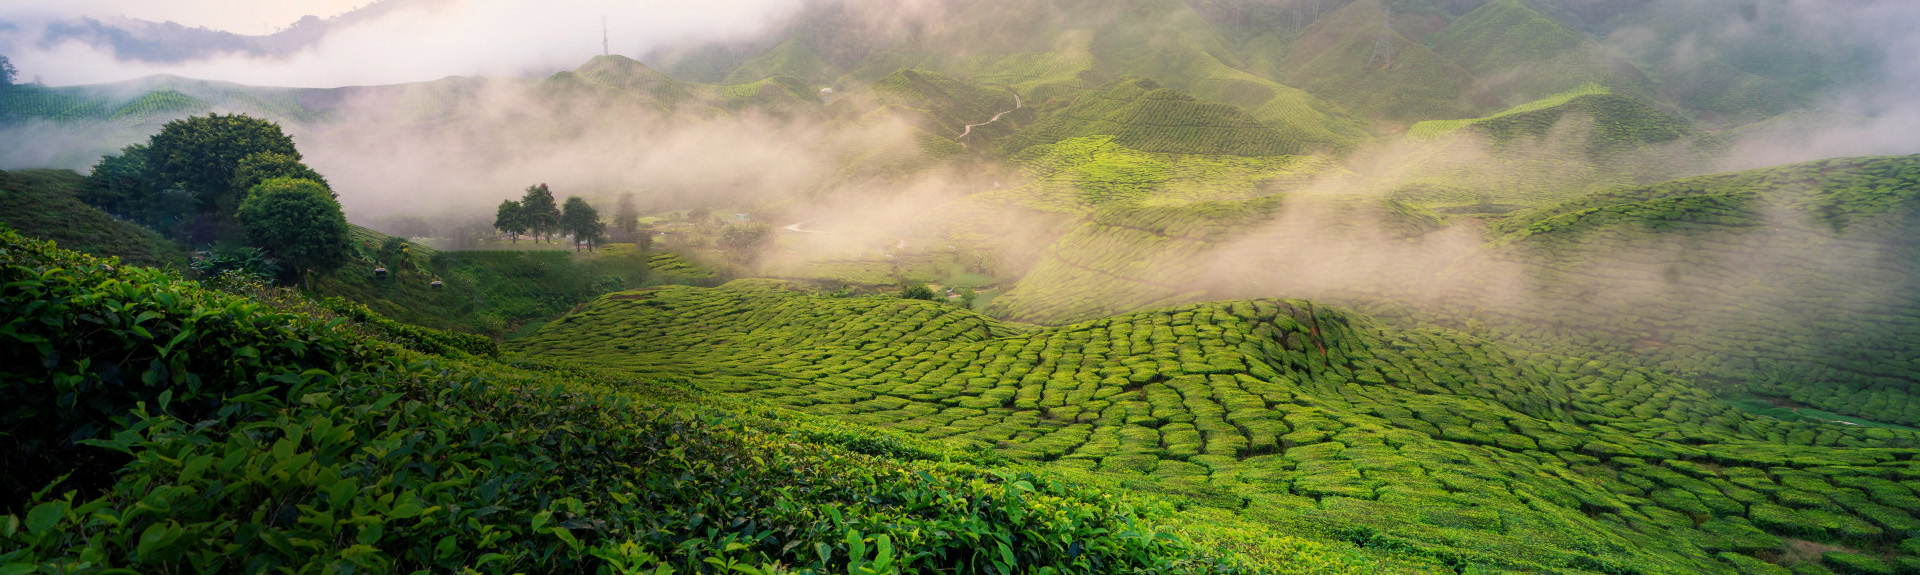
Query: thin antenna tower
{"type": "Point", "coordinates": [1383, 48]}
{"type": "Point", "coordinates": [604, 50]}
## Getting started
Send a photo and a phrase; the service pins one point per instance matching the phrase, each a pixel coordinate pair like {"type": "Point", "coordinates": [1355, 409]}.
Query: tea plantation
{"type": "Point", "coordinates": [1439, 451]}
{"type": "Point", "coordinates": [315, 442]}
{"type": "Point", "coordinates": [1794, 282]}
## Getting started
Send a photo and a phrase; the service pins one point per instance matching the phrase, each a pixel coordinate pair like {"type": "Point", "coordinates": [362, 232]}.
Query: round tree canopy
{"type": "Point", "coordinates": [298, 221]}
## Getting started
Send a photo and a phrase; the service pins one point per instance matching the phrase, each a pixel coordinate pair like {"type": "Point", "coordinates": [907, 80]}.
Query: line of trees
{"type": "Point", "coordinates": [538, 215]}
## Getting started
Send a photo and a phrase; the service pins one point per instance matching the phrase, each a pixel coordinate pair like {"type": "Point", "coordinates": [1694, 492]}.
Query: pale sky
{"type": "Point", "coordinates": [421, 40]}
{"type": "Point", "coordinates": [239, 16]}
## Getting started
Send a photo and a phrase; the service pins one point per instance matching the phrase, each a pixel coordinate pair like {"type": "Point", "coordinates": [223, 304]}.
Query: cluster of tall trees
{"type": "Point", "coordinates": [539, 215]}
{"type": "Point", "coordinates": [227, 178]}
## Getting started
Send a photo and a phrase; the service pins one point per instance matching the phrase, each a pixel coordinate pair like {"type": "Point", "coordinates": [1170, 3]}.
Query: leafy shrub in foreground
{"type": "Point", "coordinates": [86, 340]}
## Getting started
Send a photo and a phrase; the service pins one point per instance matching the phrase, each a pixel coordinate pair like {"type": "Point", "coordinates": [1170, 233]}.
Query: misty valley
{"type": "Point", "coordinates": [956, 286]}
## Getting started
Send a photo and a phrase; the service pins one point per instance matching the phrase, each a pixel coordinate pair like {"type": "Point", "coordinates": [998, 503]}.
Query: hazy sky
{"type": "Point", "coordinates": [421, 40]}
{"type": "Point", "coordinates": [239, 16]}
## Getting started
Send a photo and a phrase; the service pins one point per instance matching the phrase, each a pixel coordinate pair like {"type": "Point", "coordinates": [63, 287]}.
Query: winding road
{"type": "Point", "coordinates": [1017, 104]}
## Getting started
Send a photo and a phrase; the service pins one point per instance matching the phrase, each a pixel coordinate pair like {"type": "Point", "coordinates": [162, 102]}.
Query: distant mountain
{"type": "Point", "coordinates": [173, 43]}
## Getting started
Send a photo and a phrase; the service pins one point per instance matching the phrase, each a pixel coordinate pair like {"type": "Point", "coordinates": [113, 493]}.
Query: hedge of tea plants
{"type": "Point", "coordinates": [1434, 449]}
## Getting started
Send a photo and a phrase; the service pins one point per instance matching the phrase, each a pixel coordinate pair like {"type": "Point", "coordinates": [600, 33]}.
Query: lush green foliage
{"type": "Point", "coordinates": [299, 222]}
{"type": "Point", "coordinates": [580, 220]}
{"type": "Point", "coordinates": [1425, 447]}
{"type": "Point", "coordinates": [321, 450]}
{"type": "Point", "coordinates": [510, 219]}
{"type": "Point", "coordinates": [540, 212]}
{"type": "Point", "coordinates": [203, 154]}
{"type": "Point", "coordinates": [259, 167]}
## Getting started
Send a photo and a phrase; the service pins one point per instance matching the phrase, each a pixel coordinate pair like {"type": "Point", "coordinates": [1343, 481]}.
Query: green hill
{"type": "Point", "coordinates": [1335, 59]}
{"type": "Point", "coordinates": [946, 106]}
{"type": "Point", "coordinates": [1532, 55]}
{"type": "Point", "coordinates": [46, 204]}
{"type": "Point", "coordinates": [314, 445]}
{"type": "Point", "coordinates": [1794, 282]}
{"type": "Point", "coordinates": [1142, 115]}
{"type": "Point", "coordinates": [614, 80]}
{"type": "Point", "coordinates": [1429, 450]}
{"type": "Point", "coordinates": [1620, 124]}
{"type": "Point", "coordinates": [1550, 150]}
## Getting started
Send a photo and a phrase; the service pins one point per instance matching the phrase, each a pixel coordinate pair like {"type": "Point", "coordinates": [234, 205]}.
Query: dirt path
{"type": "Point", "coordinates": [1017, 104]}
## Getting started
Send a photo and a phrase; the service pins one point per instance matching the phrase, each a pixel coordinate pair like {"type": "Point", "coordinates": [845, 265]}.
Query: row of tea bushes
{"type": "Point", "coordinates": [1423, 444]}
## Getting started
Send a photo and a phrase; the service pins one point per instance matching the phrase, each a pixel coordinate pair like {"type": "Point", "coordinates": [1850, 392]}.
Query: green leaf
{"type": "Point", "coordinates": [17, 568]}
{"type": "Point", "coordinates": [883, 557]}
{"type": "Point", "coordinates": [157, 537]}
{"type": "Point", "coordinates": [45, 516]}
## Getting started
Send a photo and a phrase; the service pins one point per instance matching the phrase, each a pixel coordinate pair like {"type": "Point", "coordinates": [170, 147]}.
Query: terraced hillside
{"type": "Point", "coordinates": [1437, 451]}
{"type": "Point", "coordinates": [1797, 282]}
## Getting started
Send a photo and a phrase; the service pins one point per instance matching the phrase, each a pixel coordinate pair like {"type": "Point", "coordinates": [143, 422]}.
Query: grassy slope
{"type": "Point", "coordinates": [315, 446]}
{"type": "Point", "coordinates": [46, 204]}
{"type": "Point", "coordinates": [1431, 449]}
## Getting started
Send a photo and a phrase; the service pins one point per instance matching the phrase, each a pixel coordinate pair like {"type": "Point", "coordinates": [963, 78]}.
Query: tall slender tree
{"type": "Point", "coordinates": [542, 213]}
{"type": "Point", "coordinates": [510, 220]}
{"type": "Point", "coordinates": [581, 220]}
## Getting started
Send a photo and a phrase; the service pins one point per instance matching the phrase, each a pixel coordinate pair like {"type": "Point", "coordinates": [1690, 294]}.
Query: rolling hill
{"type": "Point", "coordinates": [1140, 114]}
